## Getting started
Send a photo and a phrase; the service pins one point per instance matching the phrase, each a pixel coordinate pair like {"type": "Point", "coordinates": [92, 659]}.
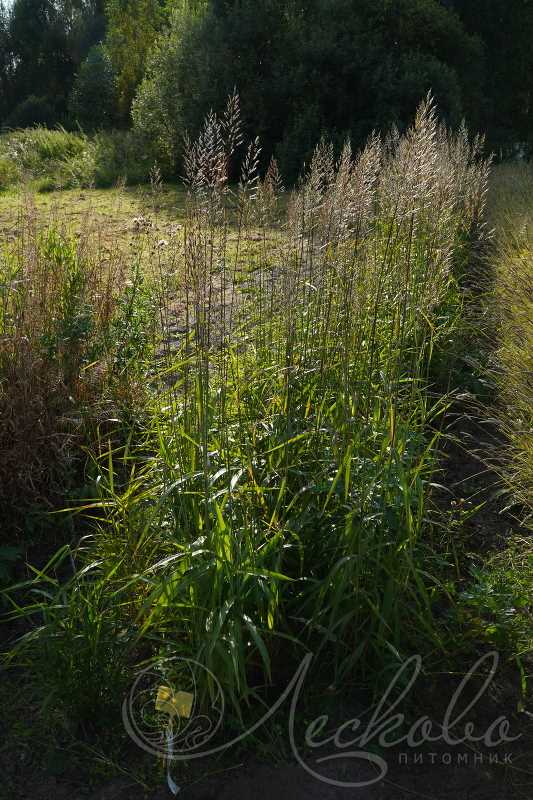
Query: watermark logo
{"type": "Point", "coordinates": [166, 715]}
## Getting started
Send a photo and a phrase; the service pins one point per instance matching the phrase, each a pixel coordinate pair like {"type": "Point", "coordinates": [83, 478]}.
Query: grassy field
{"type": "Point", "coordinates": [227, 410]}
{"type": "Point", "coordinates": [112, 216]}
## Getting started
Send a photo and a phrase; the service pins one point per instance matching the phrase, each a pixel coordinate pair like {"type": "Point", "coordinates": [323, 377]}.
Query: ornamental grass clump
{"type": "Point", "coordinates": [278, 496]}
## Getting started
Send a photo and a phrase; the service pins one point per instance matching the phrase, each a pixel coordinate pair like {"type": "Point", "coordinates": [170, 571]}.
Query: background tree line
{"type": "Point", "coordinates": [303, 68]}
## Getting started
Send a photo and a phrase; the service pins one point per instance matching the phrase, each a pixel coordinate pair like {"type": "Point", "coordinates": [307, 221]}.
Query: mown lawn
{"type": "Point", "coordinates": [112, 215]}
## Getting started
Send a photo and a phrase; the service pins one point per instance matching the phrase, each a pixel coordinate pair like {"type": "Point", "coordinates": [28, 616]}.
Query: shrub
{"type": "Point", "coordinates": [121, 155]}
{"type": "Point", "coordinates": [157, 107]}
{"type": "Point", "coordinates": [32, 111]}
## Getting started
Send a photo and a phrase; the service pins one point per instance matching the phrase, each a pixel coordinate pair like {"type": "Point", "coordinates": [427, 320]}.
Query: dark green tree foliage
{"type": "Point", "coordinates": [133, 26]}
{"type": "Point", "coordinates": [86, 24]}
{"type": "Point", "coordinates": [506, 29]}
{"type": "Point", "coordinates": [46, 40]}
{"type": "Point", "coordinates": [32, 111]}
{"type": "Point", "coordinates": [6, 65]}
{"type": "Point", "coordinates": [302, 69]}
{"type": "Point", "coordinates": [93, 97]}
{"type": "Point", "coordinates": [38, 42]}
{"type": "Point", "coordinates": [366, 65]}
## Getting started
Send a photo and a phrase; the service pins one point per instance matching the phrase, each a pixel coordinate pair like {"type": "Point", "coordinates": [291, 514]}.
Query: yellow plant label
{"type": "Point", "coordinates": [174, 703]}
